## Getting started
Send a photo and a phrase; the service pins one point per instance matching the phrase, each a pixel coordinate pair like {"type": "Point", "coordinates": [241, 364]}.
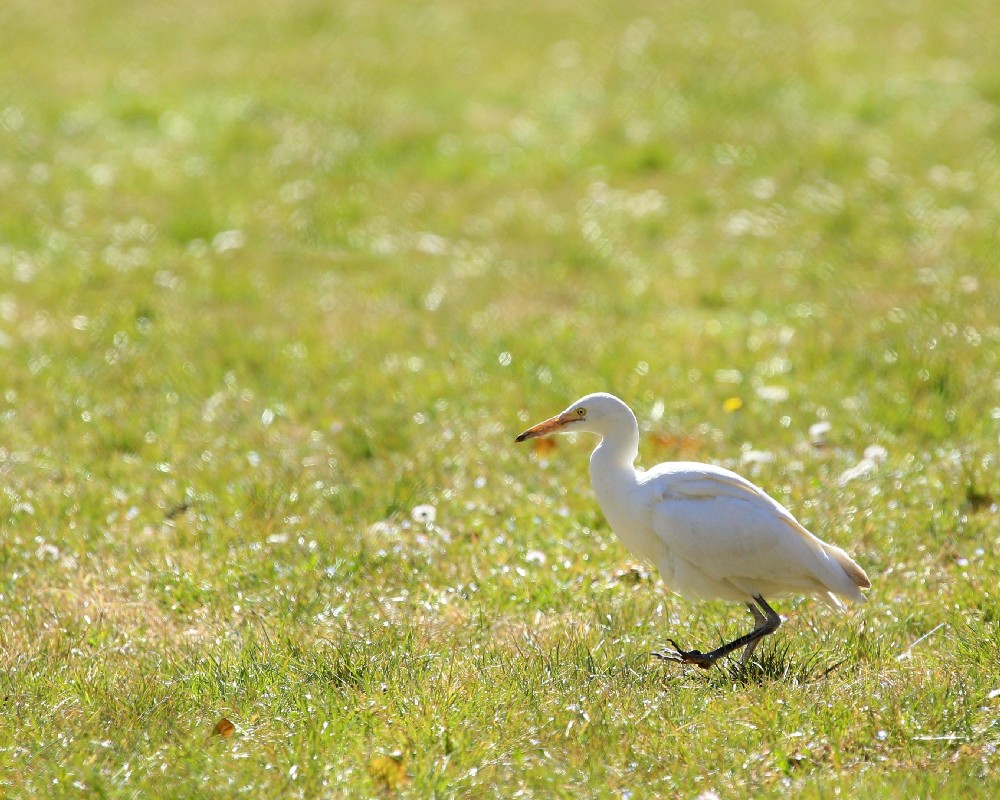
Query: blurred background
{"type": "Point", "coordinates": [281, 281]}
{"type": "Point", "coordinates": [358, 213]}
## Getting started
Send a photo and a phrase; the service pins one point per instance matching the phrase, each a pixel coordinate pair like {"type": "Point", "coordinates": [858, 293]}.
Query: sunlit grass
{"type": "Point", "coordinates": [272, 278]}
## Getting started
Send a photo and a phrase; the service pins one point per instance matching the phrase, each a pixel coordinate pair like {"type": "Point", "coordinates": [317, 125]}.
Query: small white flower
{"type": "Point", "coordinates": [757, 457]}
{"type": "Point", "coordinates": [876, 453]}
{"type": "Point", "coordinates": [225, 241]}
{"type": "Point", "coordinates": [425, 514]}
{"type": "Point", "coordinates": [863, 469]}
{"type": "Point", "coordinates": [772, 394]}
{"type": "Point", "coordinates": [818, 432]}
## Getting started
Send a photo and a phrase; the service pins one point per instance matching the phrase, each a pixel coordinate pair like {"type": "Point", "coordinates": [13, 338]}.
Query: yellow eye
{"type": "Point", "coordinates": [581, 412]}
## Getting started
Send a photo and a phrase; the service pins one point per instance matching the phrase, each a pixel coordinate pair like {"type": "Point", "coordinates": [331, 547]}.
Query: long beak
{"type": "Point", "coordinates": [551, 425]}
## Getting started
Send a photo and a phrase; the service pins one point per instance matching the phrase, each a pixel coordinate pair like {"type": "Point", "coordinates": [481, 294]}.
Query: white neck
{"type": "Point", "coordinates": [612, 462]}
{"type": "Point", "coordinates": [615, 480]}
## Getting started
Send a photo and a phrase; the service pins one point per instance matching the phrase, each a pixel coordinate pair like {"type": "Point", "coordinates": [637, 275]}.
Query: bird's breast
{"type": "Point", "coordinates": [631, 520]}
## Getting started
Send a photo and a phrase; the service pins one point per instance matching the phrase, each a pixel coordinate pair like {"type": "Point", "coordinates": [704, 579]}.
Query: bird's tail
{"type": "Point", "coordinates": [858, 578]}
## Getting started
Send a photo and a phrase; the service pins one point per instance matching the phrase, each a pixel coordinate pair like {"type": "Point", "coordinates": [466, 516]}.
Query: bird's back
{"type": "Point", "coordinates": [723, 537]}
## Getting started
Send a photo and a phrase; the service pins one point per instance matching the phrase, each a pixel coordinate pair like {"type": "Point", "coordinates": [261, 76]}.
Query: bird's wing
{"type": "Point", "coordinates": [705, 482]}
{"type": "Point", "coordinates": [722, 531]}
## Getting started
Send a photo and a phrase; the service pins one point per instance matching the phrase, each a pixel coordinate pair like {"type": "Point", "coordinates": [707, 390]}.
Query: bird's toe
{"type": "Point", "coordinates": [666, 656]}
{"type": "Point", "coordinates": [682, 656]}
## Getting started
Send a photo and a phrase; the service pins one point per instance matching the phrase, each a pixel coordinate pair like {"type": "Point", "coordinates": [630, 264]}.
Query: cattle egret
{"type": "Point", "coordinates": [711, 533]}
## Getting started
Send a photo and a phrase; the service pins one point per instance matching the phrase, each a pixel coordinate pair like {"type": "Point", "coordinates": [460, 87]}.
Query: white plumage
{"type": "Point", "coordinates": [710, 532]}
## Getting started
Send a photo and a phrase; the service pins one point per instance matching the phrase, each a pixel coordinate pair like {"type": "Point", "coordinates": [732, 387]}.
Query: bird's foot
{"type": "Point", "coordinates": [681, 656]}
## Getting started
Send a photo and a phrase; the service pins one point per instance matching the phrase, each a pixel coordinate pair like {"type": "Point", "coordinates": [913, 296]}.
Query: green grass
{"type": "Point", "coordinates": [272, 276]}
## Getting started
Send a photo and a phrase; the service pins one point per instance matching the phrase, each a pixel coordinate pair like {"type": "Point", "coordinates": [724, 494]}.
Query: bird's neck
{"type": "Point", "coordinates": [613, 461]}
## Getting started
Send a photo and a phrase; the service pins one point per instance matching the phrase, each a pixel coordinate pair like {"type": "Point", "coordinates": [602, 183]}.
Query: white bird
{"type": "Point", "coordinates": [711, 533]}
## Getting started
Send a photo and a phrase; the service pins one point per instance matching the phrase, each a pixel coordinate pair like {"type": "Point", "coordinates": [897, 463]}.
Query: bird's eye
{"type": "Point", "coordinates": [581, 412]}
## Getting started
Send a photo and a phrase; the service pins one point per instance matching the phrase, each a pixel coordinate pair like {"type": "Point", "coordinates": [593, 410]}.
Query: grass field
{"type": "Point", "coordinates": [280, 283]}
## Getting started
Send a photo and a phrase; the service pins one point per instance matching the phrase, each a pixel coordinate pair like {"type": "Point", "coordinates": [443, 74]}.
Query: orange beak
{"type": "Point", "coordinates": [551, 425]}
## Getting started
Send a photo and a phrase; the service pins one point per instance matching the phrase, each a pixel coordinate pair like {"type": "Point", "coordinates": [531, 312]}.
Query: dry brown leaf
{"type": "Point", "coordinates": [389, 771]}
{"type": "Point", "coordinates": [632, 574]}
{"type": "Point", "coordinates": [676, 443]}
{"type": "Point", "coordinates": [543, 445]}
{"type": "Point", "coordinates": [177, 510]}
{"type": "Point", "coordinates": [223, 728]}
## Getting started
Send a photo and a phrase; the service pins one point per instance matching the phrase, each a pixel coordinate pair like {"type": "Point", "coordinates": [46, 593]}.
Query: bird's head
{"type": "Point", "coordinates": [596, 413]}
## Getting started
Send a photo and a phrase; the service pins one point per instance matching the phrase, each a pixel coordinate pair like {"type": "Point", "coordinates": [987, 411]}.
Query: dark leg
{"type": "Point", "coordinates": [767, 622]}
{"type": "Point", "coordinates": [760, 621]}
